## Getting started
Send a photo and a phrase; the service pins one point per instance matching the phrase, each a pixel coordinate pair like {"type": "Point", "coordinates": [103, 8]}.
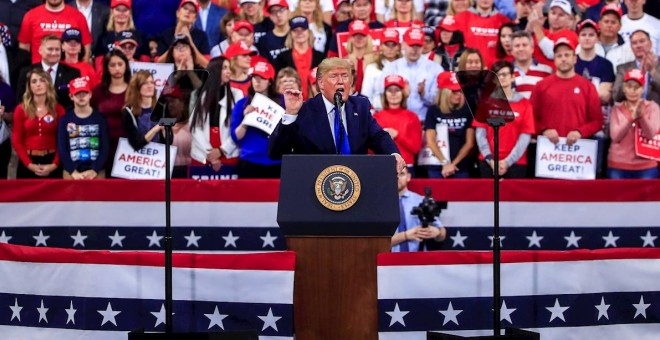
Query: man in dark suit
{"type": "Point", "coordinates": [208, 20]}
{"type": "Point", "coordinates": [50, 51]}
{"type": "Point", "coordinates": [314, 128]}
{"type": "Point", "coordinates": [97, 14]}
{"type": "Point", "coordinates": [646, 61]}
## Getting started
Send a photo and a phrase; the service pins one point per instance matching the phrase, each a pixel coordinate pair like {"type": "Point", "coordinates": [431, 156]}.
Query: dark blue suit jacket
{"type": "Point", "coordinates": [311, 133]}
{"type": "Point", "coordinates": [212, 24]}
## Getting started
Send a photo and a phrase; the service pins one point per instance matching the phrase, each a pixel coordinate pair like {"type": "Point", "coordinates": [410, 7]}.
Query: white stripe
{"type": "Point", "coordinates": [518, 279]}
{"type": "Point", "coordinates": [264, 214]}
{"type": "Point", "coordinates": [141, 282]}
{"type": "Point", "coordinates": [33, 333]}
{"type": "Point", "coordinates": [145, 214]}
{"type": "Point", "coordinates": [609, 332]}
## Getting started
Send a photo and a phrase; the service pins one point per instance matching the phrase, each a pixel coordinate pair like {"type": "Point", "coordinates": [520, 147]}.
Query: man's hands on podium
{"type": "Point", "coordinates": [293, 100]}
{"type": "Point", "coordinates": [400, 163]}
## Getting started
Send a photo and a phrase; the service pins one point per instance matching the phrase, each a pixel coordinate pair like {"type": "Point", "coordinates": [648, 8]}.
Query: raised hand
{"type": "Point", "coordinates": [293, 100]}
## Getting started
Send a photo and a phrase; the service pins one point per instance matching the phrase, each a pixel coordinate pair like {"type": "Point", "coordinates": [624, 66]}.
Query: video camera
{"type": "Point", "coordinates": [429, 209]}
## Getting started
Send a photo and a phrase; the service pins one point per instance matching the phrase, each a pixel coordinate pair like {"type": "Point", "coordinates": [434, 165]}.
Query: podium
{"type": "Point", "coordinates": [337, 213]}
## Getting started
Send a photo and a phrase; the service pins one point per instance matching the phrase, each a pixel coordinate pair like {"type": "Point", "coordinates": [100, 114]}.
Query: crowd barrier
{"type": "Point", "coordinates": [240, 215]}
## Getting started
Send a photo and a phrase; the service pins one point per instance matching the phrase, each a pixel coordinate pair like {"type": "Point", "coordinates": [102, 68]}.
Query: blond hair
{"type": "Point", "coordinates": [329, 64]}
{"type": "Point", "coordinates": [317, 16]}
{"type": "Point", "coordinates": [442, 100]}
{"type": "Point", "coordinates": [288, 42]}
{"type": "Point", "coordinates": [110, 27]}
{"type": "Point", "coordinates": [369, 48]}
{"type": "Point", "coordinates": [395, 14]}
{"type": "Point", "coordinates": [28, 97]}
{"type": "Point", "coordinates": [450, 7]}
{"type": "Point", "coordinates": [133, 96]}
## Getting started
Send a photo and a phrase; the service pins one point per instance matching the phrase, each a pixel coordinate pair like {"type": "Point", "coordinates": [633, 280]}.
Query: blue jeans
{"type": "Point", "coordinates": [651, 173]}
{"type": "Point", "coordinates": [435, 171]}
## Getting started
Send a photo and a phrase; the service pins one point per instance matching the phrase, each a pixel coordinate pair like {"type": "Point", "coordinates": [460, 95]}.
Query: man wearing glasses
{"type": "Point", "coordinates": [272, 43]}
{"type": "Point", "coordinates": [314, 127]}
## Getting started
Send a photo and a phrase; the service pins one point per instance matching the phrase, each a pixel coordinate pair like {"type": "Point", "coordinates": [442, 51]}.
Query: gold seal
{"type": "Point", "coordinates": [337, 187]}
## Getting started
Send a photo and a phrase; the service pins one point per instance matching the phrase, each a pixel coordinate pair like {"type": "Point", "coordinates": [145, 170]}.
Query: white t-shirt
{"type": "Point", "coordinates": [386, 9]}
{"type": "Point", "coordinates": [646, 23]}
{"type": "Point", "coordinates": [320, 38]}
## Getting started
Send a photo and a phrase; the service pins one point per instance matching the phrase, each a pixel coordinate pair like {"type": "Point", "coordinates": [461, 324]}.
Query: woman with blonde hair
{"type": "Point", "coordinates": [360, 49]}
{"type": "Point", "coordinates": [120, 20]}
{"type": "Point", "coordinates": [404, 14]}
{"type": "Point", "coordinates": [390, 50]}
{"type": "Point", "coordinates": [239, 56]}
{"type": "Point", "coordinates": [451, 111]}
{"type": "Point", "coordinates": [321, 32]}
{"type": "Point", "coordinates": [34, 134]}
{"type": "Point", "coordinates": [300, 54]}
{"type": "Point", "coordinates": [136, 116]}
{"type": "Point", "coordinates": [385, 9]}
{"type": "Point", "coordinates": [458, 6]}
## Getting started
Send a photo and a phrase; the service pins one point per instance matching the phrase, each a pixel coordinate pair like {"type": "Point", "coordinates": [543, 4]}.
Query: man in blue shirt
{"type": "Point", "coordinates": [410, 233]}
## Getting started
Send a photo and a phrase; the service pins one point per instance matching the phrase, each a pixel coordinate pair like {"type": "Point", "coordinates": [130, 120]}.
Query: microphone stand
{"type": "Point", "coordinates": [496, 123]}
{"type": "Point", "coordinates": [168, 123]}
{"type": "Point", "coordinates": [338, 104]}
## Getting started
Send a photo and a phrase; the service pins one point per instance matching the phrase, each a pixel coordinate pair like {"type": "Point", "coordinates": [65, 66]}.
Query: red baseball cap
{"type": "Point", "coordinates": [635, 75]}
{"type": "Point", "coordinates": [240, 24]}
{"type": "Point", "coordinates": [115, 3]}
{"type": "Point", "coordinates": [272, 3]}
{"type": "Point", "coordinates": [614, 8]}
{"type": "Point", "coordinates": [238, 48]}
{"type": "Point", "coordinates": [565, 40]}
{"type": "Point", "coordinates": [587, 23]}
{"type": "Point", "coordinates": [447, 80]}
{"type": "Point", "coordinates": [390, 35]}
{"type": "Point", "coordinates": [448, 24]}
{"type": "Point", "coordinates": [172, 91]}
{"type": "Point", "coordinates": [263, 70]}
{"type": "Point", "coordinates": [358, 27]}
{"type": "Point", "coordinates": [193, 2]}
{"type": "Point", "coordinates": [78, 85]}
{"type": "Point", "coordinates": [395, 79]}
{"type": "Point", "coordinates": [414, 36]}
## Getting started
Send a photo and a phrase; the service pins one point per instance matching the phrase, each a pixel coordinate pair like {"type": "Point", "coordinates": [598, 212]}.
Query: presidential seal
{"type": "Point", "coordinates": [337, 187]}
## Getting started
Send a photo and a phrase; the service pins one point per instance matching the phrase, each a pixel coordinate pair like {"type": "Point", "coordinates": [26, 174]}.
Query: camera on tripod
{"type": "Point", "coordinates": [429, 209]}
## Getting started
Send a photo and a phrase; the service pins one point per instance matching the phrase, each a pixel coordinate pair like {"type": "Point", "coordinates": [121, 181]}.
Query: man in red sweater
{"type": "Point", "coordinates": [566, 104]}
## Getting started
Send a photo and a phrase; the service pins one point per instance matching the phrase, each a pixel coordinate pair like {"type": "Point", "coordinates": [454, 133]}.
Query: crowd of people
{"type": "Point", "coordinates": [570, 69]}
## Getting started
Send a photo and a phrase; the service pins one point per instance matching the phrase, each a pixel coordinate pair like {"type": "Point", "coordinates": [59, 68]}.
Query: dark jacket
{"type": "Point", "coordinates": [285, 59]}
{"type": "Point", "coordinates": [100, 17]}
{"type": "Point", "coordinates": [311, 133]}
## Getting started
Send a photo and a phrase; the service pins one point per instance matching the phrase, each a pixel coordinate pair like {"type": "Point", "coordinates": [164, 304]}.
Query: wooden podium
{"type": "Point", "coordinates": [335, 287]}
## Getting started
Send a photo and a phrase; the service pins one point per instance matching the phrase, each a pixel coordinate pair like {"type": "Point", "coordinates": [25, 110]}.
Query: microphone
{"type": "Point", "coordinates": [338, 104]}
{"type": "Point", "coordinates": [338, 99]}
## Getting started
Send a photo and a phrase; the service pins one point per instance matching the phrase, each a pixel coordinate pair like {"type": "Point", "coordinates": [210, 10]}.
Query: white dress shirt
{"type": "Point", "coordinates": [53, 73]}
{"type": "Point", "coordinates": [87, 13]}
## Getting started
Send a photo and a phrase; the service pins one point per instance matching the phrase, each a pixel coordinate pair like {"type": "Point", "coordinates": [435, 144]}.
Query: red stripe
{"type": "Point", "coordinates": [281, 261]}
{"type": "Point", "coordinates": [481, 257]}
{"type": "Point", "coordinates": [479, 190]}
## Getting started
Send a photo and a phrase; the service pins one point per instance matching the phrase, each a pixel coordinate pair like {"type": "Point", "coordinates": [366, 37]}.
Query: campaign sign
{"type": "Point", "coordinates": [146, 163]}
{"type": "Point", "coordinates": [563, 161]}
{"type": "Point", "coordinates": [206, 172]}
{"type": "Point", "coordinates": [426, 156]}
{"type": "Point", "coordinates": [266, 114]}
{"type": "Point", "coordinates": [160, 72]}
{"type": "Point", "coordinates": [647, 147]}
